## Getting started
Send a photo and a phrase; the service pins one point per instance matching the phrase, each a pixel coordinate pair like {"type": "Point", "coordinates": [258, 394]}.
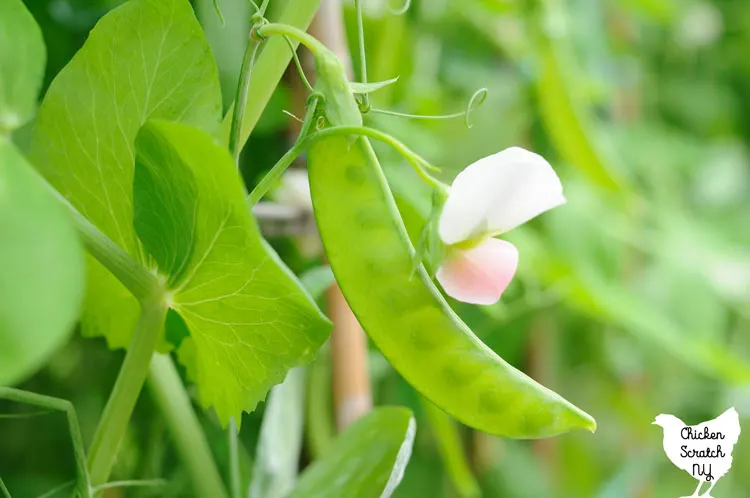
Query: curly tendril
{"type": "Point", "coordinates": [217, 8]}
{"type": "Point", "coordinates": [475, 101]}
{"type": "Point", "coordinates": [402, 9]}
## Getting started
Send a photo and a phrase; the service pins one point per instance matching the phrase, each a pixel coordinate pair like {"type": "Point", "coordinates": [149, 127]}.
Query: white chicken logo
{"type": "Point", "coordinates": [704, 450]}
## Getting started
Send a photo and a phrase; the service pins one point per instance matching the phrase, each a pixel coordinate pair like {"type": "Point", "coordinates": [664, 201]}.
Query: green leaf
{"type": "Point", "coordinates": [609, 301]}
{"type": "Point", "coordinates": [445, 430]}
{"type": "Point", "coordinates": [22, 59]}
{"type": "Point", "coordinates": [565, 115]}
{"type": "Point", "coordinates": [371, 87]}
{"type": "Point", "coordinates": [250, 320]}
{"type": "Point", "coordinates": [277, 457]}
{"type": "Point", "coordinates": [145, 59]}
{"type": "Point", "coordinates": [41, 269]}
{"type": "Point", "coordinates": [367, 460]}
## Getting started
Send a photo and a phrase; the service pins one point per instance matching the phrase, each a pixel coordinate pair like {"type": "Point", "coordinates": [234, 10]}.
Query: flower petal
{"type": "Point", "coordinates": [481, 274]}
{"type": "Point", "coordinates": [498, 193]}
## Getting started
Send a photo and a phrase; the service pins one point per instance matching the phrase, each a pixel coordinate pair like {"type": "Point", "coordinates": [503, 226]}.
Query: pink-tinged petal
{"type": "Point", "coordinates": [497, 193]}
{"type": "Point", "coordinates": [479, 275]}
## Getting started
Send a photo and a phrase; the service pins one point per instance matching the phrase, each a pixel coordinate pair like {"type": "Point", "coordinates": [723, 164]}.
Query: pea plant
{"type": "Point", "coordinates": [127, 215]}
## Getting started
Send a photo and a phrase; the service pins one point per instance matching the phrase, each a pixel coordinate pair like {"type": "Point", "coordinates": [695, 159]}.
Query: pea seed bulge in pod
{"type": "Point", "coordinates": [374, 248]}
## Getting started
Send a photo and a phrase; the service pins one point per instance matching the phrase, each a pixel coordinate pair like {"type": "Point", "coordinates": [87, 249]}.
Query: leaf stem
{"type": "Point", "coordinates": [270, 66]}
{"type": "Point", "coordinates": [306, 39]}
{"type": "Point", "coordinates": [83, 483]}
{"type": "Point", "coordinates": [133, 275]}
{"type": "Point", "coordinates": [274, 174]}
{"type": "Point", "coordinates": [234, 459]}
{"type": "Point", "coordinates": [173, 401]}
{"type": "Point", "coordinates": [119, 408]}
{"type": "Point", "coordinates": [240, 99]}
{"type": "Point", "coordinates": [362, 52]}
{"type": "Point", "coordinates": [419, 164]}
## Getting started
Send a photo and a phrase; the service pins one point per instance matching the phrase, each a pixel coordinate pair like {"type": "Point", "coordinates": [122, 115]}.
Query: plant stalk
{"type": "Point", "coordinates": [270, 66]}
{"type": "Point", "coordinates": [294, 33]}
{"type": "Point", "coordinates": [274, 174]}
{"type": "Point", "coordinates": [174, 403]}
{"type": "Point", "coordinates": [122, 400]}
{"type": "Point", "coordinates": [243, 88]}
{"type": "Point", "coordinates": [133, 275]}
{"type": "Point", "coordinates": [234, 460]}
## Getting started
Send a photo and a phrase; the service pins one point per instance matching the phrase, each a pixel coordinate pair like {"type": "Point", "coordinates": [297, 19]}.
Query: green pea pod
{"type": "Point", "coordinates": [340, 106]}
{"type": "Point", "coordinates": [406, 316]}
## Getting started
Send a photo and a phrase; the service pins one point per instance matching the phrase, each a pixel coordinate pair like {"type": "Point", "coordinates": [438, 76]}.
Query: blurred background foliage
{"type": "Point", "coordinates": [631, 300]}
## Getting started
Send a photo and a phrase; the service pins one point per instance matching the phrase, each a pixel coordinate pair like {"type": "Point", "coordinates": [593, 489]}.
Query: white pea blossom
{"type": "Point", "coordinates": [491, 196]}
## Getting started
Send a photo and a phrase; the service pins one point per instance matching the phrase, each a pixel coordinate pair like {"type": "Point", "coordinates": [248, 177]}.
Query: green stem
{"type": "Point", "coordinates": [83, 483]}
{"type": "Point", "coordinates": [234, 459]}
{"type": "Point", "coordinates": [316, 47]}
{"type": "Point", "coordinates": [114, 421]}
{"type": "Point", "coordinates": [319, 428]}
{"type": "Point", "coordinates": [451, 450]}
{"type": "Point", "coordinates": [137, 279]}
{"type": "Point", "coordinates": [241, 97]}
{"type": "Point", "coordinates": [173, 401]}
{"type": "Point", "coordinates": [270, 66]}
{"type": "Point", "coordinates": [362, 52]}
{"type": "Point", "coordinates": [274, 174]}
{"type": "Point", "coordinates": [298, 65]}
{"type": "Point", "coordinates": [415, 160]}
{"type": "Point", "coordinates": [306, 141]}
{"type": "Point", "coordinates": [133, 275]}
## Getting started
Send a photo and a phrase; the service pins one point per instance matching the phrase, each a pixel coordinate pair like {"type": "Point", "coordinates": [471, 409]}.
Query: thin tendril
{"type": "Point", "coordinates": [365, 103]}
{"type": "Point", "coordinates": [475, 101]}
{"type": "Point", "coordinates": [57, 489]}
{"type": "Point", "coordinates": [131, 484]}
{"type": "Point", "coordinates": [292, 115]}
{"type": "Point", "coordinates": [298, 64]}
{"type": "Point", "coordinates": [218, 13]}
{"type": "Point", "coordinates": [255, 5]}
{"type": "Point", "coordinates": [25, 415]}
{"type": "Point", "coordinates": [402, 9]}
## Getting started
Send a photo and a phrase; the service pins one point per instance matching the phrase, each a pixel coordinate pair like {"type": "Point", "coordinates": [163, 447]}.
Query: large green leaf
{"type": "Point", "coordinates": [367, 460]}
{"type": "Point", "coordinates": [145, 59]}
{"type": "Point", "coordinates": [250, 320]}
{"type": "Point", "coordinates": [41, 269]}
{"type": "Point", "coordinates": [22, 57]}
